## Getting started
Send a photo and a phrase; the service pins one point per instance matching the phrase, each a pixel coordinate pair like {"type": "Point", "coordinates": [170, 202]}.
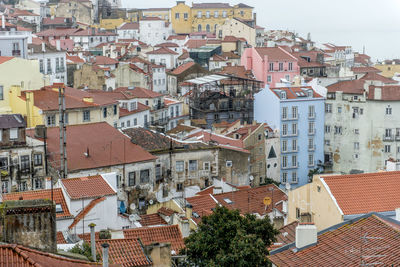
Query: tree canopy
{"type": "Point", "coordinates": [226, 238]}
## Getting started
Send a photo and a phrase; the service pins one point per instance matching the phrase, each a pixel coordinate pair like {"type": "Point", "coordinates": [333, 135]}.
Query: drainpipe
{"type": "Point", "coordinates": [105, 254]}
{"type": "Point", "coordinates": [93, 241]}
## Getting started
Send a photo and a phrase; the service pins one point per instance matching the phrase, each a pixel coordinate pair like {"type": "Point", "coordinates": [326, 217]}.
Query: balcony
{"type": "Point", "coordinates": [389, 137]}
{"type": "Point", "coordinates": [311, 115]}
{"type": "Point", "coordinates": [311, 148]}
{"type": "Point", "coordinates": [290, 167]}
{"type": "Point", "coordinates": [292, 118]}
{"type": "Point", "coordinates": [204, 173]}
{"type": "Point", "coordinates": [16, 53]}
{"type": "Point", "coordinates": [311, 132]}
{"type": "Point", "coordinates": [397, 137]}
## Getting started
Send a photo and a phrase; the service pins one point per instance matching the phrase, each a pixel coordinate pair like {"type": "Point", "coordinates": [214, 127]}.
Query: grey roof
{"type": "Point", "coordinates": [11, 121]}
{"type": "Point", "coordinates": [241, 5]}
{"type": "Point", "coordinates": [210, 5]}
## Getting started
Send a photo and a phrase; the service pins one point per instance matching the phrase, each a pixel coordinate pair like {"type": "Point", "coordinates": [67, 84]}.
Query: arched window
{"type": "Point", "coordinates": [208, 29]}
{"type": "Point", "coordinates": [215, 28]}
{"type": "Point", "coordinates": [199, 28]}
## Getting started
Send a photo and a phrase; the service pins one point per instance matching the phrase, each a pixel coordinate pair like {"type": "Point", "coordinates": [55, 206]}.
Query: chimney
{"type": "Point", "coordinates": [43, 47]}
{"type": "Point", "coordinates": [105, 254]}
{"type": "Point", "coordinates": [397, 214]}
{"type": "Point", "coordinates": [58, 45]}
{"type": "Point", "coordinates": [92, 241]}
{"type": "Point", "coordinates": [306, 234]}
{"type": "Point", "coordinates": [3, 21]}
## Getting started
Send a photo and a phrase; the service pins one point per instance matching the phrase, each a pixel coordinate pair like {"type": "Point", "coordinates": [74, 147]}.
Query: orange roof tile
{"type": "Point", "coordinates": [151, 220]}
{"type": "Point", "coordinates": [5, 59]}
{"type": "Point", "coordinates": [166, 211]}
{"type": "Point", "coordinates": [60, 238]}
{"type": "Point", "coordinates": [275, 53]}
{"type": "Point", "coordinates": [182, 68]}
{"type": "Point", "coordinates": [202, 205]}
{"type": "Point", "coordinates": [222, 141]}
{"type": "Point", "coordinates": [124, 252]}
{"type": "Point", "coordinates": [347, 87]}
{"type": "Point", "coordinates": [344, 245]}
{"type": "Point", "coordinates": [83, 138]}
{"type": "Point", "coordinates": [176, 37]}
{"type": "Point", "coordinates": [162, 51]}
{"type": "Point", "coordinates": [101, 60]}
{"type": "Point", "coordinates": [138, 92]}
{"type": "Point", "coordinates": [373, 76]}
{"type": "Point", "coordinates": [58, 198]}
{"type": "Point", "coordinates": [287, 234]}
{"type": "Point", "coordinates": [366, 192]}
{"type": "Point", "coordinates": [195, 43]}
{"type": "Point", "coordinates": [295, 92]}
{"type": "Point", "coordinates": [85, 211]}
{"type": "Point", "coordinates": [161, 234]}
{"type": "Point", "coordinates": [364, 69]}
{"type": "Point", "coordinates": [87, 187]}
{"type": "Point", "coordinates": [388, 93]}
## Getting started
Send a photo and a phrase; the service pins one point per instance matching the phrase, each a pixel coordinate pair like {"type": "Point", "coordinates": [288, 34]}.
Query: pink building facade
{"type": "Point", "coordinates": [270, 64]}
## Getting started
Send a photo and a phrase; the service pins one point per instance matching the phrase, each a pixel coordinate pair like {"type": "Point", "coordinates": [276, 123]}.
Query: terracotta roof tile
{"type": "Point", "coordinates": [166, 211]}
{"type": "Point", "coordinates": [138, 92]}
{"type": "Point", "coordinates": [124, 252]}
{"type": "Point", "coordinates": [373, 76]}
{"type": "Point", "coordinates": [101, 60]}
{"type": "Point", "coordinates": [274, 53]}
{"type": "Point", "coordinates": [87, 187]}
{"type": "Point", "coordinates": [367, 192]}
{"type": "Point", "coordinates": [129, 26]}
{"type": "Point", "coordinates": [82, 139]}
{"type": "Point", "coordinates": [177, 37]}
{"type": "Point", "coordinates": [287, 234]}
{"type": "Point", "coordinates": [295, 92]}
{"type": "Point", "coordinates": [202, 205]}
{"type": "Point", "coordinates": [5, 59]}
{"type": "Point", "coordinates": [195, 43]}
{"type": "Point", "coordinates": [151, 220]}
{"type": "Point", "coordinates": [340, 245]}
{"type": "Point", "coordinates": [348, 87]}
{"type": "Point", "coordinates": [365, 69]}
{"type": "Point", "coordinates": [388, 93]}
{"type": "Point", "coordinates": [220, 140]}
{"type": "Point", "coordinates": [182, 68]}
{"type": "Point", "coordinates": [58, 197]}
{"type": "Point", "coordinates": [162, 51]}
{"type": "Point", "coordinates": [161, 234]}
{"type": "Point", "coordinates": [167, 44]}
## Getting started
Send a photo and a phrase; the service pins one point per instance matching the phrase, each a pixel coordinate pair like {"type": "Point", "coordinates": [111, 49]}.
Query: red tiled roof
{"type": "Point", "coordinates": [202, 205]}
{"type": "Point", "coordinates": [130, 26]}
{"type": "Point", "coordinates": [222, 141]}
{"type": "Point", "coordinates": [140, 108]}
{"type": "Point", "coordinates": [56, 32]}
{"type": "Point", "coordinates": [85, 211]}
{"type": "Point", "coordinates": [138, 92]}
{"type": "Point", "coordinates": [101, 60]}
{"type": "Point", "coordinates": [274, 53]}
{"type": "Point", "coordinates": [372, 76]}
{"type": "Point", "coordinates": [237, 71]}
{"type": "Point", "coordinates": [151, 220]}
{"type": "Point", "coordinates": [58, 198]}
{"type": "Point", "coordinates": [364, 69]}
{"type": "Point", "coordinates": [287, 234]}
{"type": "Point", "coordinates": [367, 192]}
{"type": "Point", "coordinates": [176, 37]}
{"type": "Point", "coordinates": [388, 93]}
{"type": "Point", "coordinates": [87, 187]}
{"type": "Point", "coordinates": [162, 51]}
{"type": "Point", "coordinates": [83, 138]}
{"type": "Point", "coordinates": [161, 234]}
{"type": "Point", "coordinates": [124, 252]}
{"type": "Point", "coordinates": [295, 92]}
{"type": "Point", "coordinates": [230, 38]}
{"type": "Point", "coordinates": [74, 59]}
{"type": "Point", "coordinates": [55, 20]}
{"type": "Point", "coordinates": [347, 87]}
{"type": "Point", "coordinates": [182, 68]}
{"type": "Point", "coordinates": [60, 238]}
{"type": "Point", "coordinates": [167, 44]}
{"type": "Point", "coordinates": [5, 59]}
{"type": "Point", "coordinates": [243, 131]}
{"type": "Point", "coordinates": [344, 245]}
{"type": "Point", "coordinates": [92, 32]}
{"type": "Point", "coordinates": [165, 211]}
{"type": "Point", "coordinates": [20, 256]}
{"type": "Point", "coordinates": [195, 43]}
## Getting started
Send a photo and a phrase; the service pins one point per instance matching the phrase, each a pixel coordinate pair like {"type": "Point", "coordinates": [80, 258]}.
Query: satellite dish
{"type": "Point", "coordinates": [251, 177]}
{"type": "Point", "coordinates": [151, 202]}
{"type": "Point", "coordinates": [132, 218]}
{"type": "Point", "coordinates": [132, 206]}
{"type": "Point", "coordinates": [287, 186]}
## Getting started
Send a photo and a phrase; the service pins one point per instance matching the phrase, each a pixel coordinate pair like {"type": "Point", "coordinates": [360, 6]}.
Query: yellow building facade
{"type": "Point", "coordinates": [22, 73]}
{"type": "Point", "coordinates": [162, 13]}
{"type": "Point", "coordinates": [206, 17]}
{"type": "Point", "coordinates": [388, 70]}
{"type": "Point", "coordinates": [239, 29]}
{"type": "Point", "coordinates": [110, 24]}
{"type": "Point", "coordinates": [313, 203]}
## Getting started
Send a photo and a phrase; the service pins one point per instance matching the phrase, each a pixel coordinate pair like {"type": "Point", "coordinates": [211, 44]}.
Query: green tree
{"type": "Point", "coordinates": [84, 250]}
{"type": "Point", "coordinates": [226, 238]}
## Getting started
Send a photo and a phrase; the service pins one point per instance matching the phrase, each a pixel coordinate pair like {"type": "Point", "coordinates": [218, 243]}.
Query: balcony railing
{"type": "Point", "coordinates": [388, 137]}
{"type": "Point", "coordinates": [311, 148]}
{"type": "Point", "coordinates": [16, 52]}
{"type": "Point", "coordinates": [397, 137]}
{"type": "Point", "coordinates": [311, 132]}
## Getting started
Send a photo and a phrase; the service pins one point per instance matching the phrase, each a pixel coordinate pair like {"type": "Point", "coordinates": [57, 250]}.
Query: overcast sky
{"type": "Point", "coordinates": [373, 23]}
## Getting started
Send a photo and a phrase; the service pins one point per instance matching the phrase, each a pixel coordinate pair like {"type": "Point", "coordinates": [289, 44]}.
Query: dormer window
{"type": "Point", "coordinates": [310, 93]}
{"type": "Point", "coordinates": [283, 95]}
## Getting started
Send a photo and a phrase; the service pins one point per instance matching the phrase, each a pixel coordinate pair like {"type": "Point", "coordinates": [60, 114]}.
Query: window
{"type": "Point", "coordinates": [387, 148]}
{"type": "Point", "coordinates": [41, 66]}
{"type": "Point", "coordinates": [131, 178]}
{"type": "Point", "coordinates": [158, 172]}
{"type": "Point", "coordinates": [176, 15]}
{"type": "Point", "coordinates": [192, 165]}
{"type": "Point", "coordinates": [128, 123]}
{"type": "Point", "coordinates": [37, 183]}
{"type": "Point", "coordinates": [37, 159]}
{"type": "Point", "coordinates": [224, 14]}
{"type": "Point", "coordinates": [388, 132]}
{"type": "Point", "coordinates": [144, 176]}
{"type": "Point", "coordinates": [284, 145]}
{"type": "Point", "coordinates": [298, 214]}
{"type": "Point", "coordinates": [242, 13]}
{"type": "Point", "coordinates": [311, 129]}
{"type": "Point", "coordinates": [22, 186]}
{"type": "Point", "coordinates": [215, 14]}
{"type": "Point", "coordinates": [338, 129]}
{"type": "Point", "coordinates": [310, 159]}
{"type": "Point", "coordinates": [86, 115]}
{"type": "Point", "coordinates": [327, 142]}
{"type": "Point", "coordinates": [206, 166]}
{"type": "Point", "coordinates": [207, 14]}
{"type": "Point", "coordinates": [287, 78]}
{"type": "Point", "coordinates": [199, 28]}
{"type": "Point", "coordinates": [284, 177]}
{"type": "Point", "coordinates": [66, 118]}
{"type": "Point", "coordinates": [311, 111]}
{"type": "Point", "coordinates": [339, 110]}
{"type": "Point", "coordinates": [294, 177]}
{"type": "Point", "coordinates": [185, 16]}
{"type": "Point", "coordinates": [122, 124]}
{"type": "Point", "coordinates": [4, 186]}
{"type": "Point", "coordinates": [135, 121]}
{"type": "Point", "coordinates": [327, 128]}
{"type": "Point", "coordinates": [388, 111]}
{"type": "Point", "coordinates": [280, 66]}
{"type": "Point", "coordinates": [115, 109]}
{"type": "Point", "coordinates": [14, 133]}
{"type": "Point", "coordinates": [356, 145]}
{"type": "Point", "coordinates": [57, 64]}
{"type": "Point", "coordinates": [208, 28]}
{"type": "Point", "coordinates": [283, 95]}
{"type": "Point", "coordinates": [294, 112]}
{"type": "Point", "coordinates": [284, 112]}
{"type": "Point", "coordinates": [294, 145]}
{"type": "Point", "coordinates": [51, 120]}
{"type": "Point", "coordinates": [310, 143]}
{"type": "Point", "coordinates": [284, 129]}
{"type": "Point", "coordinates": [25, 164]}
{"type": "Point", "coordinates": [290, 66]}
{"type": "Point", "coordinates": [4, 163]}
{"type": "Point", "coordinates": [284, 161]}
{"type": "Point", "coordinates": [328, 108]}
{"type": "Point", "coordinates": [48, 66]}
{"type": "Point", "coordinates": [294, 160]}
{"type": "Point", "coordinates": [199, 14]}
{"type": "Point", "coordinates": [104, 112]}
{"type": "Point", "coordinates": [294, 128]}
{"type": "Point", "coordinates": [177, 111]}
{"type": "Point", "coordinates": [271, 66]}
{"type": "Point", "coordinates": [179, 187]}
{"type": "Point", "coordinates": [269, 78]}
{"type": "Point", "coordinates": [179, 166]}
